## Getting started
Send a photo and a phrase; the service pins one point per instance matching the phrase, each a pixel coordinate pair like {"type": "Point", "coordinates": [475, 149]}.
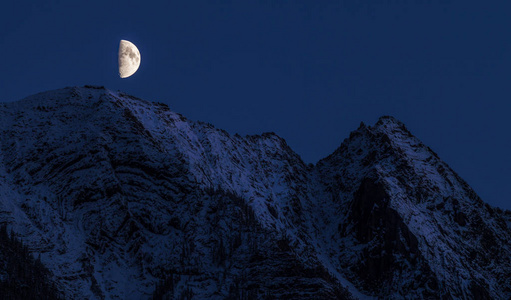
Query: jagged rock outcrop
{"type": "Point", "coordinates": [410, 221]}
{"type": "Point", "coordinates": [123, 197]}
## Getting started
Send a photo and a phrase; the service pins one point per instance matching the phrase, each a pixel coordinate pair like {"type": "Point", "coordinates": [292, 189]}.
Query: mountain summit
{"type": "Point", "coordinates": [123, 198]}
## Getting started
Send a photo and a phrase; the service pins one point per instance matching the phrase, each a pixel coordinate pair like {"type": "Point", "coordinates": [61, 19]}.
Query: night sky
{"type": "Point", "coordinates": [309, 71]}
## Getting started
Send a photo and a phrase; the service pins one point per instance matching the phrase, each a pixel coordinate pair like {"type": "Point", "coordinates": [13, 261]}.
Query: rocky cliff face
{"type": "Point", "coordinates": [119, 195]}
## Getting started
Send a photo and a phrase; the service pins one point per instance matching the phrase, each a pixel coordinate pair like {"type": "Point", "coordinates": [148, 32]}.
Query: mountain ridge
{"type": "Point", "coordinates": [116, 193]}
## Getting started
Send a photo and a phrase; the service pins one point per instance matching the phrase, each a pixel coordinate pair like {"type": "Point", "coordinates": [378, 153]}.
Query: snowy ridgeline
{"type": "Point", "coordinates": [123, 198]}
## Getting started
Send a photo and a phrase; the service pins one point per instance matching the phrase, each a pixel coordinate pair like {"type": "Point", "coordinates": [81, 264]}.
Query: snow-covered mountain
{"type": "Point", "coordinates": [124, 198]}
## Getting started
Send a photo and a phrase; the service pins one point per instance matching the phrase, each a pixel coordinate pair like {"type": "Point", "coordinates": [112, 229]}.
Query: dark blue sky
{"type": "Point", "coordinates": [310, 71]}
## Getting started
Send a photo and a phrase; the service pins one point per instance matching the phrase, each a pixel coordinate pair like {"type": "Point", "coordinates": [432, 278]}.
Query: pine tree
{"type": "Point", "coordinates": [22, 276]}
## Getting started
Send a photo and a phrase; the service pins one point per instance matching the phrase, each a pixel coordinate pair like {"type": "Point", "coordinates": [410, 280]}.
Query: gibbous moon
{"type": "Point", "coordinates": [129, 59]}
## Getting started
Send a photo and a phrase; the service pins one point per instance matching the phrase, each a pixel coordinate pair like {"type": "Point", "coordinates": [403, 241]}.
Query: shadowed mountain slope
{"type": "Point", "coordinates": [125, 198]}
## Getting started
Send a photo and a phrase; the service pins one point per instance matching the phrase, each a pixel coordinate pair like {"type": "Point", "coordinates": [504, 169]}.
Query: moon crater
{"type": "Point", "coordinates": [129, 59]}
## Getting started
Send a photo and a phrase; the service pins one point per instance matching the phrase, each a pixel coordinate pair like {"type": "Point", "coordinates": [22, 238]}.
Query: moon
{"type": "Point", "coordinates": [129, 59]}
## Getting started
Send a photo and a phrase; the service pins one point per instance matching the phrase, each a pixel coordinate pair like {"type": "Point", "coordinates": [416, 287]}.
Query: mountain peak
{"type": "Point", "coordinates": [390, 125]}
{"type": "Point", "coordinates": [388, 119]}
{"type": "Point", "coordinates": [122, 197]}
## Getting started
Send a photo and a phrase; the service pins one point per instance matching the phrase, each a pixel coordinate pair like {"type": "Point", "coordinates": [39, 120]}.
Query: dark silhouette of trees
{"type": "Point", "coordinates": [21, 275]}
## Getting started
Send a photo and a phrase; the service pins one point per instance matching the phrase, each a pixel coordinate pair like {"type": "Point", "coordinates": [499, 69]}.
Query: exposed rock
{"type": "Point", "coordinates": [124, 198]}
